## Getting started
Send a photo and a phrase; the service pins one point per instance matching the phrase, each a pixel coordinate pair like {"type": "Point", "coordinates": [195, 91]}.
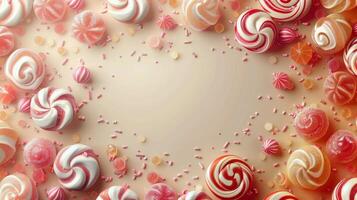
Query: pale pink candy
{"type": "Point", "coordinates": [195, 195]}
{"type": "Point", "coordinates": [24, 105]}
{"type": "Point", "coordinates": [342, 146]}
{"type": "Point", "coordinates": [56, 193]}
{"type": "Point", "coordinates": [155, 42]}
{"type": "Point", "coordinates": [271, 147]}
{"type": "Point", "coordinates": [335, 64]}
{"type": "Point", "coordinates": [13, 12]}
{"type": "Point", "coordinates": [39, 153]}
{"type": "Point", "coordinates": [7, 41]}
{"type": "Point", "coordinates": [49, 11]}
{"type": "Point", "coordinates": [166, 22]}
{"type": "Point", "coordinates": [76, 5]}
{"type": "Point", "coordinates": [18, 186]}
{"type": "Point", "coordinates": [82, 75]}
{"type": "Point", "coordinates": [282, 81]}
{"type": "Point", "coordinates": [287, 35]}
{"type": "Point", "coordinates": [160, 191]}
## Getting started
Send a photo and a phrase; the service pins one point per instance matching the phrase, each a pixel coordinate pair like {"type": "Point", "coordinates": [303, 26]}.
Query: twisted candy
{"type": "Point", "coordinates": [350, 56]}
{"type": "Point", "coordinates": [308, 168]}
{"type": "Point", "coordinates": [76, 167]}
{"type": "Point", "coordinates": [8, 140]}
{"type": "Point", "coordinates": [53, 109]}
{"type": "Point", "coordinates": [342, 146]}
{"type": "Point", "coordinates": [340, 87]}
{"type": "Point", "coordinates": [129, 11]}
{"type": "Point", "coordinates": [7, 41]}
{"type": "Point", "coordinates": [345, 190]}
{"type": "Point", "coordinates": [56, 193]}
{"type": "Point", "coordinates": [229, 177]}
{"type": "Point", "coordinates": [49, 11]}
{"type": "Point", "coordinates": [160, 191]}
{"type": "Point", "coordinates": [118, 193]}
{"type": "Point", "coordinates": [339, 5]}
{"type": "Point", "coordinates": [195, 195]}
{"type": "Point", "coordinates": [18, 186]}
{"type": "Point", "coordinates": [201, 14]}
{"type": "Point", "coordinates": [255, 30]}
{"type": "Point", "coordinates": [281, 195]}
{"type": "Point", "coordinates": [15, 11]}
{"type": "Point", "coordinates": [286, 10]}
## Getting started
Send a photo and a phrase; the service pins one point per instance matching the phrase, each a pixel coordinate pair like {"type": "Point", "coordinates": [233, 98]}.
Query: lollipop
{"type": "Point", "coordinates": [311, 123]}
{"type": "Point", "coordinates": [229, 177]}
{"type": "Point", "coordinates": [15, 11]}
{"type": "Point", "coordinates": [56, 193]}
{"type": "Point", "coordinates": [308, 168]}
{"type": "Point", "coordinates": [338, 6]}
{"type": "Point", "coordinates": [195, 195]}
{"type": "Point", "coordinates": [255, 30]}
{"type": "Point", "coordinates": [350, 56]}
{"type": "Point", "coordinates": [82, 75]}
{"type": "Point", "coordinates": [286, 10]}
{"type": "Point", "coordinates": [49, 11]}
{"type": "Point", "coordinates": [25, 69]}
{"type": "Point", "coordinates": [88, 28]}
{"type": "Point", "coordinates": [76, 167]}
{"type": "Point", "coordinates": [160, 191]}
{"type": "Point", "coordinates": [342, 146]}
{"type": "Point", "coordinates": [331, 34]}
{"type": "Point", "coordinates": [8, 140]}
{"type": "Point", "coordinates": [345, 190]}
{"type": "Point", "coordinates": [118, 193]}
{"type": "Point", "coordinates": [39, 153]}
{"type": "Point", "coordinates": [281, 195]}
{"type": "Point", "coordinates": [129, 11]}
{"type": "Point", "coordinates": [7, 41]}
{"type": "Point", "coordinates": [53, 109]}
{"type": "Point", "coordinates": [340, 87]}
{"type": "Point", "coordinates": [201, 14]}
{"type": "Point", "coordinates": [18, 186]}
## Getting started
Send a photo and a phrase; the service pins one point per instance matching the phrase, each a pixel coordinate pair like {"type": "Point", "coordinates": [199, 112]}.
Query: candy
{"type": "Point", "coordinates": [76, 5]}
{"type": "Point", "coordinates": [49, 11]}
{"type": "Point", "coordinates": [18, 186]}
{"type": "Point", "coordinates": [282, 81]}
{"type": "Point", "coordinates": [350, 56]}
{"type": "Point", "coordinates": [7, 94]}
{"type": "Point", "coordinates": [195, 195]}
{"type": "Point", "coordinates": [285, 11]}
{"type": "Point", "coordinates": [129, 11]}
{"type": "Point", "coordinates": [308, 168]}
{"type": "Point", "coordinates": [53, 109]}
{"type": "Point", "coordinates": [154, 178]}
{"type": "Point", "coordinates": [160, 191]}
{"type": "Point", "coordinates": [311, 124]}
{"type": "Point", "coordinates": [345, 190]}
{"type": "Point", "coordinates": [118, 193]}
{"type": "Point", "coordinates": [331, 34]}
{"type": "Point", "coordinates": [8, 140]}
{"type": "Point", "coordinates": [271, 147]}
{"type": "Point", "coordinates": [201, 14]}
{"type": "Point", "coordinates": [301, 53]}
{"type": "Point", "coordinates": [342, 146]}
{"type": "Point", "coordinates": [340, 87]}
{"type": "Point", "coordinates": [56, 193]}
{"type": "Point", "coordinates": [76, 167]}
{"type": "Point", "coordinates": [24, 105]}
{"type": "Point", "coordinates": [82, 75]}
{"type": "Point", "coordinates": [7, 41]}
{"type": "Point", "coordinates": [15, 11]}
{"type": "Point", "coordinates": [287, 35]}
{"type": "Point", "coordinates": [255, 30]}
{"type": "Point", "coordinates": [25, 69]}
{"type": "Point", "coordinates": [281, 195]}
{"type": "Point", "coordinates": [39, 153]}
{"type": "Point", "coordinates": [120, 166]}
{"type": "Point", "coordinates": [166, 22]}
{"type": "Point", "coordinates": [229, 177]}
{"type": "Point", "coordinates": [88, 28]}
{"type": "Point", "coordinates": [339, 5]}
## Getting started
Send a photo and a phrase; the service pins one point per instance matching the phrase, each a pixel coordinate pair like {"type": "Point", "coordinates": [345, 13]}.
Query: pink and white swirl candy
{"type": "Point", "coordinates": [7, 41]}
{"type": "Point", "coordinates": [160, 191]}
{"type": "Point", "coordinates": [229, 177]}
{"type": "Point", "coordinates": [350, 56]}
{"type": "Point", "coordinates": [77, 167]}
{"type": "Point", "coordinates": [8, 140]}
{"type": "Point", "coordinates": [76, 5]}
{"type": "Point", "coordinates": [287, 35]}
{"type": "Point", "coordinates": [271, 147]}
{"type": "Point", "coordinates": [118, 193]}
{"type": "Point", "coordinates": [82, 75]}
{"type": "Point", "coordinates": [339, 6]}
{"type": "Point", "coordinates": [286, 10]}
{"type": "Point", "coordinates": [281, 195]}
{"type": "Point", "coordinates": [14, 11]}
{"type": "Point", "coordinates": [24, 105]}
{"type": "Point", "coordinates": [49, 11]}
{"type": "Point", "coordinates": [346, 190]}
{"type": "Point", "coordinates": [56, 193]}
{"type": "Point", "coordinates": [53, 109]}
{"type": "Point", "coordinates": [255, 30]}
{"type": "Point", "coordinates": [129, 11]}
{"type": "Point", "coordinates": [18, 186]}
{"type": "Point", "coordinates": [195, 195]}
{"type": "Point", "coordinates": [25, 69]}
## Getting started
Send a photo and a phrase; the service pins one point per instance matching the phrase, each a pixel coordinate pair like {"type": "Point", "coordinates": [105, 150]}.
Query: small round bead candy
{"type": "Point", "coordinates": [39, 153]}
{"type": "Point", "coordinates": [340, 87]}
{"type": "Point", "coordinates": [342, 146]}
{"type": "Point", "coordinates": [271, 147]}
{"type": "Point", "coordinates": [82, 75]}
{"type": "Point", "coordinates": [24, 105]}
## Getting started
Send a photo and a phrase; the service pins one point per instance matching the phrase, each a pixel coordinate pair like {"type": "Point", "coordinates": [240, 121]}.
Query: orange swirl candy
{"type": "Point", "coordinates": [339, 6]}
{"type": "Point", "coordinates": [8, 140]}
{"type": "Point", "coordinates": [308, 167]}
{"type": "Point", "coordinates": [340, 87]}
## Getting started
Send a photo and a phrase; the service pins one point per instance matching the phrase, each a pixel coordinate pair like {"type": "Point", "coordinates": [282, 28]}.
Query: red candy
{"type": "Point", "coordinates": [271, 147]}
{"type": "Point", "coordinates": [287, 35]}
{"type": "Point", "coordinates": [340, 87]}
{"type": "Point", "coordinates": [7, 41]}
{"type": "Point", "coordinates": [282, 81]}
{"type": "Point", "coordinates": [49, 11]}
{"type": "Point", "coordinates": [39, 153]}
{"type": "Point", "coordinates": [160, 191]}
{"type": "Point", "coordinates": [342, 146]}
{"type": "Point", "coordinates": [154, 178]}
{"type": "Point", "coordinates": [7, 94]}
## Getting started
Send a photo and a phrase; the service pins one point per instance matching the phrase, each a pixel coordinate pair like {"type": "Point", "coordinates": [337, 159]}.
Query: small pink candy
{"type": "Point", "coordinates": [155, 42]}
{"type": "Point", "coordinates": [282, 81]}
{"type": "Point", "coordinates": [354, 29]}
{"type": "Point", "coordinates": [39, 176]}
{"type": "Point", "coordinates": [271, 147]}
{"type": "Point", "coordinates": [82, 75]}
{"type": "Point", "coordinates": [56, 193]}
{"type": "Point", "coordinates": [235, 5]}
{"type": "Point", "coordinates": [335, 64]}
{"type": "Point", "coordinates": [76, 5]}
{"type": "Point", "coordinates": [39, 153]}
{"type": "Point", "coordinates": [160, 191]}
{"type": "Point", "coordinates": [166, 22]}
{"type": "Point", "coordinates": [287, 35]}
{"type": "Point", "coordinates": [24, 105]}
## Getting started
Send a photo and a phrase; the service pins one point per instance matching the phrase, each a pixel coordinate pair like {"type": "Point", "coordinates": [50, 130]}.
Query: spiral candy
{"type": "Point", "coordinates": [7, 41]}
{"type": "Point", "coordinates": [18, 186]}
{"type": "Point", "coordinates": [129, 11]}
{"type": "Point", "coordinates": [118, 193]}
{"type": "Point", "coordinates": [340, 87]}
{"type": "Point", "coordinates": [350, 56]}
{"type": "Point", "coordinates": [195, 195]}
{"type": "Point", "coordinates": [281, 195]}
{"type": "Point", "coordinates": [15, 11]}
{"type": "Point", "coordinates": [8, 140]}
{"type": "Point", "coordinates": [49, 11]}
{"type": "Point", "coordinates": [345, 190]}
{"type": "Point", "coordinates": [339, 5]}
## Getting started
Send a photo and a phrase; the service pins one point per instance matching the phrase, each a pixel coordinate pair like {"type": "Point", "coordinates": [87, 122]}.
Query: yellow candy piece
{"type": "Point", "coordinates": [3, 116]}
{"type": "Point", "coordinates": [156, 160]}
{"type": "Point", "coordinates": [115, 38]}
{"type": "Point", "coordinates": [142, 139]}
{"type": "Point", "coordinates": [308, 84]}
{"type": "Point", "coordinates": [268, 126]}
{"type": "Point", "coordinates": [112, 151]}
{"type": "Point", "coordinates": [76, 138]}
{"type": "Point", "coordinates": [39, 40]}
{"type": "Point", "coordinates": [62, 51]}
{"type": "Point", "coordinates": [174, 55]}
{"type": "Point", "coordinates": [347, 113]}
{"type": "Point", "coordinates": [173, 3]}
{"type": "Point", "coordinates": [219, 28]}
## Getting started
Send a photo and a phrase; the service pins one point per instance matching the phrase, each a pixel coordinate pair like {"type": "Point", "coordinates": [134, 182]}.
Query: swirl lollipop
{"type": "Point", "coordinates": [15, 11]}
{"type": "Point", "coordinates": [339, 6]}
{"type": "Point", "coordinates": [281, 195]}
{"type": "Point", "coordinates": [342, 146]}
{"type": "Point", "coordinates": [195, 195]}
{"type": "Point", "coordinates": [308, 168]}
{"type": "Point", "coordinates": [286, 10]}
{"type": "Point", "coordinates": [340, 87]}
{"type": "Point", "coordinates": [49, 11]}
{"type": "Point", "coordinates": [25, 69]}
{"type": "Point", "coordinates": [7, 41]}
{"type": "Point", "coordinates": [255, 30]}
{"type": "Point", "coordinates": [331, 34]}
{"type": "Point", "coordinates": [350, 56]}
{"type": "Point", "coordinates": [18, 186]}
{"type": "Point", "coordinates": [129, 11]}
{"type": "Point", "coordinates": [345, 190]}
{"type": "Point", "coordinates": [201, 14]}
{"type": "Point", "coordinates": [118, 193]}
{"type": "Point", "coordinates": [76, 167]}
{"type": "Point", "coordinates": [39, 153]}
{"type": "Point", "coordinates": [229, 177]}
{"type": "Point", "coordinates": [8, 140]}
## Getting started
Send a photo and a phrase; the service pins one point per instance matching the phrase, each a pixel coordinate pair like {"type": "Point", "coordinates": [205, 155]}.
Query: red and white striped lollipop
{"type": "Point", "coordinates": [77, 167]}
{"type": "Point", "coordinates": [49, 11]}
{"type": "Point", "coordinates": [8, 140]}
{"type": "Point", "coordinates": [255, 30]}
{"type": "Point", "coordinates": [7, 41]}
{"type": "Point", "coordinates": [229, 177]}
{"type": "Point", "coordinates": [346, 190]}
{"type": "Point", "coordinates": [195, 195]}
{"type": "Point", "coordinates": [286, 10]}
{"type": "Point", "coordinates": [281, 195]}
{"type": "Point", "coordinates": [118, 193]}
{"type": "Point", "coordinates": [18, 186]}
{"type": "Point", "coordinates": [129, 11]}
{"type": "Point", "coordinates": [350, 56]}
{"type": "Point", "coordinates": [15, 11]}
{"type": "Point", "coordinates": [53, 109]}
